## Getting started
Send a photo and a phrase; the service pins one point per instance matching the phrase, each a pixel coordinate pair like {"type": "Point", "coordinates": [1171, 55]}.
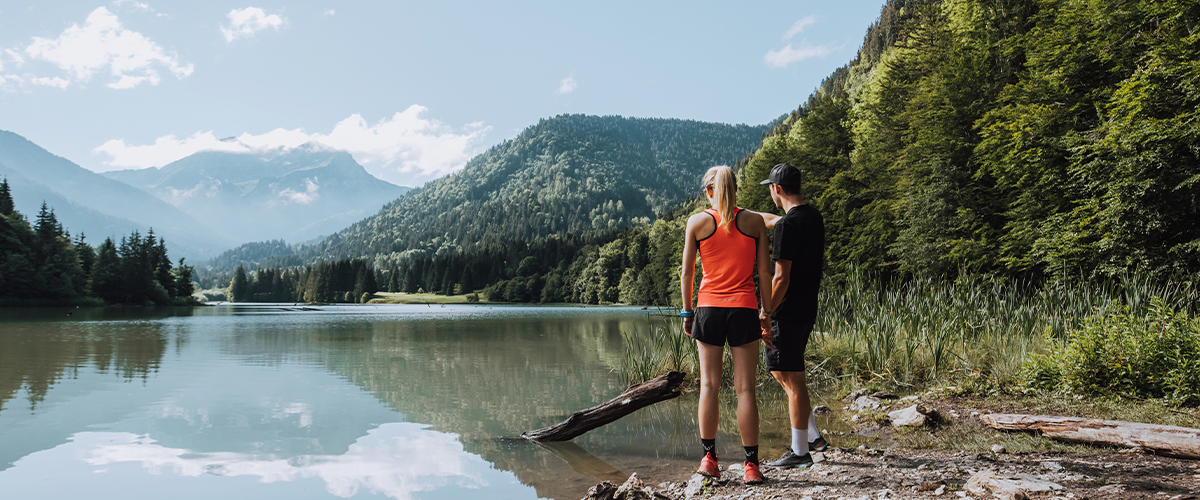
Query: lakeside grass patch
{"type": "Point", "coordinates": [424, 298]}
{"type": "Point", "coordinates": [977, 333]}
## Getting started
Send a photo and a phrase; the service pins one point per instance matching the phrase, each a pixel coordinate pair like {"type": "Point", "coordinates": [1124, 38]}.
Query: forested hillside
{"type": "Point", "coordinates": [1033, 138]}
{"type": "Point", "coordinates": [570, 174]}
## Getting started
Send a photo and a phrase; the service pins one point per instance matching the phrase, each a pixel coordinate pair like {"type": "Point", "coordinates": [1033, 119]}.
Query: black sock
{"type": "Point", "coordinates": [710, 446]}
{"type": "Point", "coordinates": [752, 454]}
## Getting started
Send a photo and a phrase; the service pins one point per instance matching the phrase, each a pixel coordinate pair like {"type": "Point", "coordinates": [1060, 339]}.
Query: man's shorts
{"type": "Point", "coordinates": [790, 341]}
{"type": "Point", "coordinates": [718, 325]}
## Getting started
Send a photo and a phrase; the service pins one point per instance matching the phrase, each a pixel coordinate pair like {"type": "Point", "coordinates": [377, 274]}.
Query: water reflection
{"type": "Point", "coordinates": [396, 459]}
{"type": "Point", "coordinates": [391, 400]}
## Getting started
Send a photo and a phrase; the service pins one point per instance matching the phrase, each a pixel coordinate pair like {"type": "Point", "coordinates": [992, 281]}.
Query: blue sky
{"type": "Point", "coordinates": [411, 89]}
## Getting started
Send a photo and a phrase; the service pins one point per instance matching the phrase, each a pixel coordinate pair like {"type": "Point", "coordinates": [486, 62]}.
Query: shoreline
{"type": "Point", "coordinates": [954, 455]}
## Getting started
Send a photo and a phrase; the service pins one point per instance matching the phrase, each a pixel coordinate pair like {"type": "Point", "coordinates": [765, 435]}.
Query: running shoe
{"type": "Point", "coordinates": [708, 465]}
{"type": "Point", "coordinates": [753, 474]}
{"type": "Point", "coordinates": [790, 460]}
{"type": "Point", "coordinates": [818, 445]}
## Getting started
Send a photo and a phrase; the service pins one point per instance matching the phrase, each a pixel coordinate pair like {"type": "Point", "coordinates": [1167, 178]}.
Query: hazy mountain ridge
{"type": "Point", "coordinates": [100, 207]}
{"type": "Point", "coordinates": [295, 195]}
{"type": "Point", "coordinates": [567, 174]}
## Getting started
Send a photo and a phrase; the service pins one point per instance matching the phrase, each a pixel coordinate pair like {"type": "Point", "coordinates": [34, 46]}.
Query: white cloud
{"type": "Point", "coordinates": [404, 148]}
{"type": "Point", "coordinates": [59, 82]}
{"type": "Point", "coordinates": [134, 4]}
{"type": "Point", "coordinates": [788, 55]}
{"type": "Point", "coordinates": [799, 26]}
{"type": "Point", "coordinates": [308, 196]}
{"type": "Point", "coordinates": [330, 12]}
{"type": "Point", "coordinates": [248, 21]}
{"type": "Point", "coordinates": [103, 44]}
{"type": "Point", "coordinates": [567, 85]}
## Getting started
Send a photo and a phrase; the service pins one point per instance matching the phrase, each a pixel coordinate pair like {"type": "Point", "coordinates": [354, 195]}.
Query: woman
{"type": "Point", "coordinates": [731, 241]}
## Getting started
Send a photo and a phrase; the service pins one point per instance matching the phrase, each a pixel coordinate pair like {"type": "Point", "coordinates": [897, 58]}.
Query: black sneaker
{"type": "Point", "coordinates": [790, 460]}
{"type": "Point", "coordinates": [818, 445]}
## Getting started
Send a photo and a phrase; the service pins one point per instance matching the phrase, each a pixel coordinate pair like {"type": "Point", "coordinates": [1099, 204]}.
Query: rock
{"type": "Point", "coordinates": [822, 410]}
{"type": "Point", "coordinates": [1007, 486]}
{"type": "Point", "coordinates": [908, 417]}
{"type": "Point", "coordinates": [884, 395]}
{"type": "Point", "coordinates": [854, 395]}
{"type": "Point", "coordinates": [634, 489]}
{"type": "Point", "coordinates": [1052, 465]}
{"type": "Point", "coordinates": [696, 485]}
{"type": "Point", "coordinates": [602, 491]}
{"type": "Point", "coordinates": [940, 490]}
{"type": "Point", "coordinates": [864, 403]}
{"type": "Point", "coordinates": [929, 486]}
{"type": "Point", "coordinates": [1112, 488]}
{"type": "Point", "coordinates": [997, 449]}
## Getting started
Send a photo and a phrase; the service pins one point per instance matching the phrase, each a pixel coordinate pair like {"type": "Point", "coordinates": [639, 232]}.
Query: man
{"type": "Point", "coordinates": [798, 250]}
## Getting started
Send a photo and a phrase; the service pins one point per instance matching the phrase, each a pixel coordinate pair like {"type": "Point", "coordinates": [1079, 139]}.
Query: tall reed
{"type": "Point", "coordinates": [927, 331]}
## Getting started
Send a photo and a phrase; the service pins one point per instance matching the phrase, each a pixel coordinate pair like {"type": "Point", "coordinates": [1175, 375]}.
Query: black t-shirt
{"type": "Point", "coordinates": [800, 238]}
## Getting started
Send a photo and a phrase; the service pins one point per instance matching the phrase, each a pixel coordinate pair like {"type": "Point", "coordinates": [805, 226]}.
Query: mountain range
{"type": "Point", "coordinates": [90, 203]}
{"type": "Point", "coordinates": [293, 195]}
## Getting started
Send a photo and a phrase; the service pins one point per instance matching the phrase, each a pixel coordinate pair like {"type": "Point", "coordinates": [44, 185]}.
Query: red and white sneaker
{"type": "Point", "coordinates": [753, 474]}
{"type": "Point", "coordinates": [708, 465]}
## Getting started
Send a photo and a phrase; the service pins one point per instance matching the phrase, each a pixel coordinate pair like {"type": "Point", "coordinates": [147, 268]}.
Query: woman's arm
{"type": "Point", "coordinates": [762, 257]}
{"type": "Point", "coordinates": [687, 273]}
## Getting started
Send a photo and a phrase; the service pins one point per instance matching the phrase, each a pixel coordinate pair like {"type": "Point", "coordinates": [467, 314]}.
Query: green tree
{"type": "Point", "coordinates": [239, 286]}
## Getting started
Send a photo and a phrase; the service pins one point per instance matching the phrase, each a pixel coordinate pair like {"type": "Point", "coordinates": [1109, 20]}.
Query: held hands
{"type": "Point", "coordinates": [764, 322]}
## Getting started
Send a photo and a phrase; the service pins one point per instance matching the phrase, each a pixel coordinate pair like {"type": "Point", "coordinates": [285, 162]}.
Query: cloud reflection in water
{"type": "Point", "coordinates": [395, 459]}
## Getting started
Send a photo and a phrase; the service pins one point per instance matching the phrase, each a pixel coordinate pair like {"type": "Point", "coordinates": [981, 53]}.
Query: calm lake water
{"type": "Point", "coordinates": [270, 401]}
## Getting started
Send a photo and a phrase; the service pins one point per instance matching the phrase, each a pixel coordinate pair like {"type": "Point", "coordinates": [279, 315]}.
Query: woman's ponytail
{"type": "Point", "coordinates": [723, 183]}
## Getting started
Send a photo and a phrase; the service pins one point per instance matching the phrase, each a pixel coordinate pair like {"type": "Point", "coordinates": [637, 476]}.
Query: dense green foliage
{"type": "Point", "coordinates": [567, 175]}
{"type": "Point", "coordinates": [340, 281]}
{"type": "Point", "coordinates": [1148, 354]}
{"type": "Point", "coordinates": [1033, 138]}
{"type": "Point", "coordinates": [41, 264]}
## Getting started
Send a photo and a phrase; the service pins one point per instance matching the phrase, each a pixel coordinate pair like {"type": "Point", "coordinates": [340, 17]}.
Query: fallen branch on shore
{"type": "Point", "coordinates": [1164, 439]}
{"type": "Point", "coordinates": [634, 398]}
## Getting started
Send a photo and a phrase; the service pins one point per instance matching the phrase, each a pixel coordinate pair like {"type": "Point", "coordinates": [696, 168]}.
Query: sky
{"type": "Point", "coordinates": [412, 90]}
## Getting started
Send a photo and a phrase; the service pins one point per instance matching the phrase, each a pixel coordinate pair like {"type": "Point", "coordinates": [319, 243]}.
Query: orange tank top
{"type": "Point", "coordinates": [728, 259]}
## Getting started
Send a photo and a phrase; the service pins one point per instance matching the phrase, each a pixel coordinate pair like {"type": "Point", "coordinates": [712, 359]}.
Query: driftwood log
{"type": "Point", "coordinates": [1163, 439]}
{"type": "Point", "coordinates": [634, 398]}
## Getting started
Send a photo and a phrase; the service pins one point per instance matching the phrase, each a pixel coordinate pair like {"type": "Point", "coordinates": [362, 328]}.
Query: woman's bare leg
{"type": "Point", "coordinates": [745, 367]}
{"type": "Point", "coordinates": [710, 384]}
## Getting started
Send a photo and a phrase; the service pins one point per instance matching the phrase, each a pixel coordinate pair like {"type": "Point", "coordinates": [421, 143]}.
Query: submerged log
{"type": "Point", "coordinates": [1163, 439]}
{"type": "Point", "coordinates": [634, 398]}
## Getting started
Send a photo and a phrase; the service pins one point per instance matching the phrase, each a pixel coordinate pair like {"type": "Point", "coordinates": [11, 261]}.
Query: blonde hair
{"type": "Point", "coordinates": [723, 183]}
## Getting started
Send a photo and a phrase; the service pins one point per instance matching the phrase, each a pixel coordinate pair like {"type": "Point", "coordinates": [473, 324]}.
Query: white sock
{"type": "Point", "coordinates": [813, 433]}
{"type": "Point", "coordinates": [799, 441]}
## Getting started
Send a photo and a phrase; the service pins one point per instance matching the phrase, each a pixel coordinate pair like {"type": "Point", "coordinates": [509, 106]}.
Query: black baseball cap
{"type": "Point", "coordinates": [784, 174]}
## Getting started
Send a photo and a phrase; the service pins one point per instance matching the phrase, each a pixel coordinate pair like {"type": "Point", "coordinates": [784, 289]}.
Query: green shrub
{"type": "Point", "coordinates": [1155, 355]}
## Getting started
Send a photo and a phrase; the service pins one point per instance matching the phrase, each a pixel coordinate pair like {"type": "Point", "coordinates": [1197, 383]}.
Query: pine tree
{"type": "Point", "coordinates": [105, 281]}
{"type": "Point", "coordinates": [239, 286]}
{"type": "Point", "coordinates": [183, 279]}
{"type": "Point", "coordinates": [6, 200]}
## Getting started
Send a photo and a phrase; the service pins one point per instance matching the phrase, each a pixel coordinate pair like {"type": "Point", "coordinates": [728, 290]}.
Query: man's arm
{"type": "Point", "coordinates": [768, 218]}
{"type": "Point", "coordinates": [780, 282]}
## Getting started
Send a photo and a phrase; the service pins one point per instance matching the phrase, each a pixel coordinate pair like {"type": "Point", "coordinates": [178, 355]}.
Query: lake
{"type": "Point", "coordinates": [280, 401]}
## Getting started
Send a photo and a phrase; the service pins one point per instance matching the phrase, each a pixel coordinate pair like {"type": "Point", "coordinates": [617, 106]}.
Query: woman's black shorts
{"type": "Point", "coordinates": [718, 325]}
{"type": "Point", "coordinates": [791, 339]}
